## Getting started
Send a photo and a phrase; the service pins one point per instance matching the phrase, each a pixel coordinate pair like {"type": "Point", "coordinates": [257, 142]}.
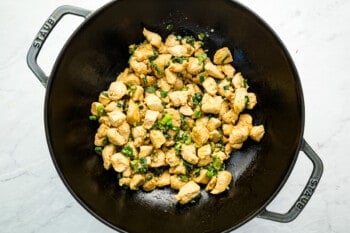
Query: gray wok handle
{"type": "Point", "coordinates": [42, 35]}
{"type": "Point", "coordinates": [305, 195]}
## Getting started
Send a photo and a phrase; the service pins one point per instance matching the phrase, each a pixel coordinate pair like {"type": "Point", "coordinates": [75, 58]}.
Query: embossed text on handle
{"type": "Point", "coordinates": [306, 195]}
{"type": "Point", "coordinates": [44, 32]}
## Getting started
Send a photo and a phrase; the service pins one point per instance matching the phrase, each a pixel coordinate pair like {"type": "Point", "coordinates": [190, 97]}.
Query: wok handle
{"type": "Point", "coordinates": [42, 35]}
{"type": "Point", "coordinates": [305, 195]}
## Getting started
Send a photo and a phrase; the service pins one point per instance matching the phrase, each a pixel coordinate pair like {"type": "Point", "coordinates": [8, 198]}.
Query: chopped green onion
{"type": "Point", "coordinates": [246, 101]}
{"type": "Point", "coordinates": [169, 27]}
{"type": "Point", "coordinates": [227, 87]}
{"type": "Point", "coordinates": [229, 79]}
{"type": "Point", "coordinates": [158, 70]}
{"type": "Point", "coordinates": [179, 59]}
{"type": "Point", "coordinates": [128, 151]}
{"type": "Point", "coordinates": [104, 93]}
{"type": "Point", "coordinates": [217, 163]}
{"type": "Point", "coordinates": [98, 150]}
{"type": "Point", "coordinates": [189, 166]}
{"type": "Point", "coordinates": [150, 89]}
{"type": "Point", "coordinates": [183, 178]}
{"type": "Point", "coordinates": [201, 78]}
{"type": "Point", "coordinates": [190, 40]}
{"type": "Point", "coordinates": [184, 88]}
{"type": "Point", "coordinates": [197, 114]}
{"type": "Point", "coordinates": [201, 36]}
{"type": "Point", "coordinates": [163, 94]}
{"type": "Point", "coordinates": [197, 172]}
{"type": "Point", "coordinates": [201, 58]}
{"type": "Point", "coordinates": [149, 177]}
{"type": "Point", "coordinates": [139, 165]}
{"type": "Point", "coordinates": [100, 110]}
{"type": "Point", "coordinates": [197, 98]}
{"type": "Point", "coordinates": [167, 120]}
{"type": "Point", "coordinates": [178, 146]}
{"type": "Point", "coordinates": [211, 173]}
{"type": "Point", "coordinates": [92, 118]}
{"type": "Point", "coordinates": [245, 83]}
{"type": "Point", "coordinates": [105, 141]}
{"type": "Point", "coordinates": [132, 49]}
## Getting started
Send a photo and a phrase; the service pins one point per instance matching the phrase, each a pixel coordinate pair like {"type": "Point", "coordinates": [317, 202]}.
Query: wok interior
{"type": "Point", "coordinates": [99, 51]}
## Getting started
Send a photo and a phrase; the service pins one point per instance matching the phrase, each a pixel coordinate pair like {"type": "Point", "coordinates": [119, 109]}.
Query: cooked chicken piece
{"type": "Point", "coordinates": [257, 132]}
{"type": "Point", "coordinates": [178, 67]}
{"type": "Point", "coordinates": [170, 76]}
{"type": "Point", "coordinates": [180, 50]}
{"type": "Point", "coordinates": [228, 149]}
{"type": "Point", "coordinates": [163, 85]}
{"type": "Point", "coordinates": [223, 56]}
{"type": "Point", "coordinates": [154, 103]}
{"type": "Point", "coordinates": [204, 151]}
{"type": "Point", "coordinates": [210, 86]}
{"type": "Point", "coordinates": [227, 129]}
{"type": "Point", "coordinates": [237, 146]}
{"type": "Point", "coordinates": [115, 137]}
{"type": "Point", "coordinates": [128, 172]}
{"type": "Point", "coordinates": [116, 118]}
{"type": "Point", "coordinates": [213, 70]}
{"type": "Point", "coordinates": [139, 134]}
{"type": "Point", "coordinates": [112, 106]}
{"type": "Point", "coordinates": [145, 150]}
{"type": "Point", "coordinates": [188, 192]}
{"type": "Point", "coordinates": [224, 108]}
{"type": "Point", "coordinates": [117, 90]}
{"type": "Point", "coordinates": [102, 131]}
{"type": "Point", "coordinates": [225, 89]}
{"type": "Point", "coordinates": [94, 107]}
{"type": "Point", "coordinates": [203, 121]}
{"type": "Point", "coordinates": [157, 138]}
{"type": "Point", "coordinates": [124, 130]}
{"type": "Point", "coordinates": [179, 84]}
{"type": "Point", "coordinates": [238, 81]}
{"type": "Point", "coordinates": [186, 110]}
{"type": "Point", "coordinates": [104, 120]}
{"type": "Point", "coordinates": [245, 120]}
{"type": "Point", "coordinates": [211, 104]}
{"type": "Point", "coordinates": [99, 141]}
{"type": "Point", "coordinates": [133, 113]}
{"type": "Point", "coordinates": [158, 159]}
{"type": "Point", "coordinates": [151, 182]}
{"type": "Point", "coordinates": [150, 118]}
{"type": "Point", "coordinates": [175, 115]}
{"type": "Point", "coordinates": [107, 153]}
{"type": "Point", "coordinates": [252, 101]}
{"type": "Point", "coordinates": [163, 179]}
{"type": "Point", "coordinates": [200, 135]}
{"type": "Point", "coordinates": [131, 79]}
{"type": "Point", "coordinates": [163, 49]}
{"type": "Point", "coordinates": [152, 38]}
{"type": "Point", "coordinates": [221, 155]}
{"type": "Point", "coordinates": [241, 98]}
{"type": "Point", "coordinates": [188, 153]}
{"type": "Point", "coordinates": [179, 169]}
{"type": "Point", "coordinates": [143, 52]}
{"type": "Point", "coordinates": [171, 41]}
{"type": "Point", "coordinates": [124, 181]}
{"type": "Point", "coordinates": [176, 183]}
{"type": "Point", "coordinates": [239, 134]}
{"type": "Point", "coordinates": [171, 158]}
{"type": "Point", "coordinates": [230, 117]}
{"type": "Point", "coordinates": [178, 98]}
{"type": "Point", "coordinates": [214, 136]}
{"type": "Point", "coordinates": [138, 94]}
{"type": "Point", "coordinates": [140, 68]}
{"type": "Point", "coordinates": [223, 180]}
{"type": "Point", "coordinates": [213, 124]}
{"type": "Point", "coordinates": [120, 162]}
{"type": "Point", "coordinates": [103, 98]}
{"type": "Point", "coordinates": [136, 181]}
{"type": "Point", "coordinates": [193, 66]}
{"type": "Point", "coordinates": [211, 184]}
{"type": "Point", "coordinates": [202, 177]}
{"type": "Point", "coordinates": [228, 70]}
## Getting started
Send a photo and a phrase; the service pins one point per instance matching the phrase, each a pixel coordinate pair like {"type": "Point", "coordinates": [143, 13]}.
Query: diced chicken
{"type": "Point", "coordinates": [124, 130]}
{"type": "Point", "coordinates": [227, 129]}
{"type": "Point", "coordinates": [150, 118]}
{"type": "Point", "coordinates": [115, 137]}
{"type": "Point", "coordinates": [120, 162]}
{"type": "Point", "coordinates": [239, 134]}
{"type": "Point", "coordinates": [171, 158]}
{"type": "Point", "coordinates": [131, 79]}
{"type": "Point", "coordinates": [223, 56]}
{"type": "Point", "coordinates": [228, 149]}
{"type": "Point", "coordinates": [188, 153]}
{"type": "Point", "coordinates": [158, 159]}
{"type": "Point", "coordinates": [221, 155]}
{"type": "Point", "coordinates": [241, 98]}
{"type": "Point", "coordinates": [214, 136]}
{"type": "Point", "coordinates": [176, 183]}
{"type": "Point", "coordinates": [153, 38]}
{"type": "Point", "coordinates": [99, 141]}
{"type": "Point", "coordinates": [103, 98]}
{"type": "Point", "coordinates": [145, 151]}
{"type": "Point", "coordinates": [245, 120]}
{"type": "Point", "coordinates": [179, 169]}
{"type": "Point", "coordinates": [224, 108]}
{"type": "Point", "coordinates": [117, 90]}
{"type": "Point", "coordinates": [140, 68]}
{"type": "Point", "coordinates": [138, 94]}
{"type": "Point", "coordinates": [133, 114]}
{"type": "Point", "coordinates": [171, 41]}
{"type": "Point", "coordinates": [202, 177]}
{"type": "Point", "coordinates": [211, 184]}
{"type": "Point", "coordinates": [104, 120]}
{"type": "Point", "coordinates": [213, 70]}
{"type": "Point", "coordinates": [151, 182]}
{"type": "Point", "coordinates": [112, 106]}
{"type": "Point", "coordinates": [178, 67]}
{"type": "Point", "coordinates": [213, 124]}
{"type": "Point", "coordinates": [225, 89]}
{"type": "Point", "coordinates": [128, 172]}
{"type": "Point", "coordinates": [188, 192]}
{"type": "Point", "coordinates": [163, 179]}
{"type": "Point", "coordinates": [228, 70]}
{"type": "Point", "coordinates": [223, 180]}
{"type": "Point", "coordinates": [211, 104]}
{"type": "Point", "coordinates": [124, 181]}
{"type": "Point", "coordinates": [154, 103]}
{"type": "Point", "coordinates": [252, 101]}
{"type": "Point", "coordinates": [230, 117]}
{"type": "Point", "coordinates": [116, 118]}
{"type": "Point", "coordinates": [186, 110]}
{"type": "Point", "coordinates": [203, 121]}
{"type": "Point", "coordinates": [237, 146]}
{"type": "Point", "coordinates": [210, 86]}
{"type": "Point", "coordinates": [102, 131]}
{"type": "Point", "coordinates": [257, 133]}
{"type": "Point", "coordinates": [170, 76]}
{"type": "Point", "coordinates": [136, 181]}
{"type": "Point", "coordinates": [178, 85]}
{"type": "Point", "coordinates": [200, 135]}
{"type": "Point", "coordinates": [163, 85]}
{"type": "Point", "coordinates": [238, 81]}
{"type": "Point", "coordinates": [175, 115]}
{"type": "Point", "coordinates": [107, 153]}
{"type": "Point", "coordinates": [143, 52]}
{"type": "Point", "coordinates": [139, 134]}
{"type": "Point", "coordinates": [94, 107]}
{"type": "Point", "coordinates": [193, 66]}
{"type": "Point", "coordinates": [180, 51]}
{"type": "Point", "coordinates": [157, 138]}
{"type": "Point", "coordinates": [178, 98]}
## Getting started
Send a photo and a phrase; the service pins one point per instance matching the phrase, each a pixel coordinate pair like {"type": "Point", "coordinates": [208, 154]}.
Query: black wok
{"type": "Point", "coordinates": [95, 54]}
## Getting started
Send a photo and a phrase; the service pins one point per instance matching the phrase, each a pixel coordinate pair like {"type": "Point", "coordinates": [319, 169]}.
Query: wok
{"type": "Point", "coordinates": [98, 51]}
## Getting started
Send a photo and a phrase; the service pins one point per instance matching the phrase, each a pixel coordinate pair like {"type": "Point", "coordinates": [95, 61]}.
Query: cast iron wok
{"type": "Point", "coordinates": [98, 51]}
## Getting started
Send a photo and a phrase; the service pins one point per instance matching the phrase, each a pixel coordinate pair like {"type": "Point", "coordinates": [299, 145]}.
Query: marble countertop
{"type": "Point", "coordinates": [32, 196]}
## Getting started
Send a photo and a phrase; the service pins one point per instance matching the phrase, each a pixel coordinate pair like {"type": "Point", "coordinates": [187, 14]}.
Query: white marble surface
{"type": "Point", "coordinates": [33, 198]}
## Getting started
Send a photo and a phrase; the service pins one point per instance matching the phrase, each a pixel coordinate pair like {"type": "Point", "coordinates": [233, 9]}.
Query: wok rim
{"type": "Point", "coordinates": [298, 86]}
